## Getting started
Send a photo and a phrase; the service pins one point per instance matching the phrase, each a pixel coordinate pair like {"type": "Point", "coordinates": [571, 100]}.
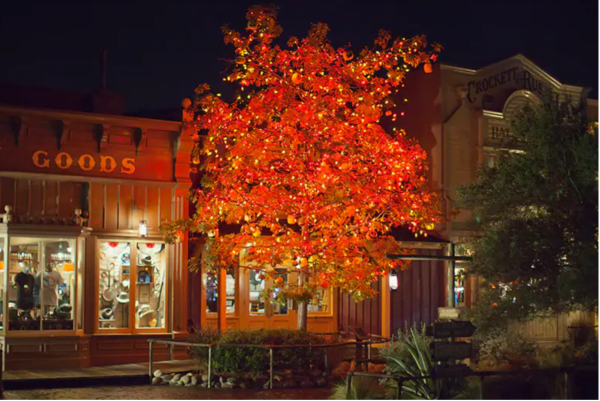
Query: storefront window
{"type": "Point", "coordinates": [80, 281]}
{"type": "Point", "coordinates": [41, 284]}
{"type": "Point", "coordinates": [257, 285]}
{"type": "Point", "coordinates": [114, 284]}
{"type": "Point", "coordinates": [279, 309]}
{"type": "Point", "coordinates": [151, 273]}
{"type": "Point", "coordinates": [2, 272]}
{"type": "Point", "coordinates": [459, 286]}
{"type": "Point", "coordinates": [321, 301]}
{"type": "Point", "coordinates": [211, 281]}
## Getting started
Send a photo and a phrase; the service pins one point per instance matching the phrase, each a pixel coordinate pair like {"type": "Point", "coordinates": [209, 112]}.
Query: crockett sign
{"type": "Point", "coordinates": [86, 162]}
{"type": "Point", "coordinates": [523, 78]}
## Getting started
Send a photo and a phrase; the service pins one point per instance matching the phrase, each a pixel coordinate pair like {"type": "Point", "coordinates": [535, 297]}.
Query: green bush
{"type": "Point", "coordinates": [256, 360]}
{"type": "Point", "coordinates": [361, 388]}
{"type": "Point", "coordinates": [507, 351]}
{"type": "Point", "coordinates": [411, 356]}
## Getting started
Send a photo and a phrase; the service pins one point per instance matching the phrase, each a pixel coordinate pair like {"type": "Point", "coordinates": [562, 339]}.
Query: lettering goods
{"type": "Point", "coordinates": [104, 164]}
{"type": "Point", "coordinates": [524, 79]}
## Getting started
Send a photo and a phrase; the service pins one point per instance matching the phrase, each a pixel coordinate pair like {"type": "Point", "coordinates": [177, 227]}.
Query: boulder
{"type": "Point", "coordinates": [232, 380]}
{"type": "Point", "coordinates": [190, 374]}
{"type": "Point", "coordinates": [167, 378]}
{"type": "Point", "coordinates": [194, 380]}
{"type": "Point", "coordinates": [204, 377]}
{"type": "Point", "coordinates": [185, 380]}
{"type": "Point", "coordinates": [157, 380]}
{"type": "Point", "coordinates": [176, 378]}
{"type": "Point", "coordinates": [158, 373]}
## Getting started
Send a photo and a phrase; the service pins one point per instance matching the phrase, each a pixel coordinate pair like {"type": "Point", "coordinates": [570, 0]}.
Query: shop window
{"type": "Point", "coordinates": [42, 282]}
{"type": "Point", "coordinates": [2, 273]}
{"type": "Point", "coordinates": [211, 285]}
{"type": "Point", "coordinates": [150, 286]}
{"type": "Point", "coordinates": [459, 286]}
{"type": "Point", "coordinates": [132, 285]}
{"type": "Point", "coordinates": [114, 284]}
{"type": "Point", "coordinates": [278, 308]}
{"type": "Point", "coordinates": [321, 301]}
{"type": "Point", "coordinates": [257, 286]}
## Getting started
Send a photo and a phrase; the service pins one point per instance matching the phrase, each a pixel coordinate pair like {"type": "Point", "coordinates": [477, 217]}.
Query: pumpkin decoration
{"type": "Point", "coordinates": [291, 219]}
{"type": "Point", "coordinates": [303, 262]}
{"type": "Point", "coordinates": [252, 25]}
{"type": "Point", "coordinates": [348, 55]}
{"type": "Point", "coordinates": [240, 60]}
{"type": "Point", "coordinates": [388, 113]}
{"type": "Point", "coordinates": [427, 68]}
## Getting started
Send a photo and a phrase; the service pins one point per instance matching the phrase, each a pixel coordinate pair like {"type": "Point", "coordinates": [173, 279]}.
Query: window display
{"type": "Point", "coordinates": [150, 285]}
{"type": "Point", "coordinates": [321, 301]}
{"type": "Point", "coordinates": [279, 309]}
{"type": "Point", "coordinates": [211, 287]}
{"type": "Point", "coordinates": [459, 286]}
{"type": "Point", "coordinates": [257, 286]}
{"type": "Point", "coordinates": [41, 294]}
{"type": "Point", "coordinates": [114, 285]}
{"type": "Point", "coordinates": [2, 264]}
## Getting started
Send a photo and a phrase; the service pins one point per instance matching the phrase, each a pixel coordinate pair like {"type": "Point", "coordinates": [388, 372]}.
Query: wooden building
{"type": "Point", "coordinates": [85, 277]}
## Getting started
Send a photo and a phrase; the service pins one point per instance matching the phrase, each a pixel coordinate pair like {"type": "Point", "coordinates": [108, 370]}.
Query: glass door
{"type": "Point", "coordinates": [114, 285]}
{"type": "Point", "coordinates": [265, 310]}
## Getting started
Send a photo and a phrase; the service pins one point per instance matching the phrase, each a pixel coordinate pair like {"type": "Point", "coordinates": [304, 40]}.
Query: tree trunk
{"type": "Point", "coordinates": [302, 307]}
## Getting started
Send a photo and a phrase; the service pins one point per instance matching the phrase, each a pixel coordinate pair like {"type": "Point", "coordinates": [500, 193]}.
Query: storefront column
{"type": "Point", "coordinates": [222, 300]}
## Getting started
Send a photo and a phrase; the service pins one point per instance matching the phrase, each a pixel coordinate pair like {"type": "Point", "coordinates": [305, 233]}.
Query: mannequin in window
{"type": "Point", "coordinates": [25, 283]}
{"type": "Point", "coordinates": [51, 280]}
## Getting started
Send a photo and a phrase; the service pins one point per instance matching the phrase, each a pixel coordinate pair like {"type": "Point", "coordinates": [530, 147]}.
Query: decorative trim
{"type": "Point", "coordinates": [17, 127]}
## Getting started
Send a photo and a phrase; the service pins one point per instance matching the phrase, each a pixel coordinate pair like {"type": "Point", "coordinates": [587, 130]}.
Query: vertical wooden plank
{"type": "Point", "coordinates": [378, 308]}
{"type": "Point", "coordinates": [66, 199]}
{"type": "Point", "coordinates": [37, 201]}
{"type": "Point", "coordinates": [407, 295]}
{"type": "Point", "coordinates": [125, 195]}
{"type": "Point", "coordinates": [166, 200]}
{"type": "Point", "coordinates": [21, 207]}
{"type": "Point", "coordinates": [152, 210]}
{"type": "Point", "coordinates": [51, 198]}
{"type": "Point", "coordinates": [111, 207]}
{"type": "Point", "coordinates": [139, 206]}
{"type": "Point", "coordinates": [96, 206]}
{"type": "Point", "coordinates": [425, 291]}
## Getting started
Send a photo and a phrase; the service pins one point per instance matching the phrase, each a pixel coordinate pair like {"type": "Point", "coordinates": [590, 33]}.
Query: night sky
{"type": "Point", "coordinates": [158, 54]}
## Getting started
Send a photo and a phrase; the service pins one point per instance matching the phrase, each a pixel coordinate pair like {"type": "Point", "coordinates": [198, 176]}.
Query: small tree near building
{"type": "Point", "coordinates": [301, 163]}
{"type": "Point", "coordinates": [538, 210]}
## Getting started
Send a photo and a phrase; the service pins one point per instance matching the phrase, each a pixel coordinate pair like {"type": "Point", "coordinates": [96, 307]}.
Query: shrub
{"type": "Point", "coordinates": [507, 351]}
{"type": "Point", "coordinates": [205, 336]}
{"type": "Point", "coordinates": [256, 360]}
{"type": "Point", "coordinates": [411, 356]}
{"type": "Point", "coordinates": [361, 388]}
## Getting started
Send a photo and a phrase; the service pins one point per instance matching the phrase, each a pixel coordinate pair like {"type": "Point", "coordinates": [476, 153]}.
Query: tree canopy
{"type": "Point", "coordinates": [538, 211]}
{"type": "Point", "coordinates": [301, 163]}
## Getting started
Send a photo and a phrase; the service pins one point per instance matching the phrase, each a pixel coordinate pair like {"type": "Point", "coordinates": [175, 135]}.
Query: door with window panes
{"type": "Point", "coordinates": [267, 312]}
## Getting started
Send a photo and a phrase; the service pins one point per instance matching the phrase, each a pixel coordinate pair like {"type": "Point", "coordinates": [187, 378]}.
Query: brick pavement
{"type": "Point", "coordinates": [147, 393]}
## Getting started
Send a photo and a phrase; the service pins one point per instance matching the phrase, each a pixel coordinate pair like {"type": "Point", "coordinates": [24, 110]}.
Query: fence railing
{"type": "Point", "coordinates": [566, 371]}
{"type": "Point", "coordinates": [268, 347]}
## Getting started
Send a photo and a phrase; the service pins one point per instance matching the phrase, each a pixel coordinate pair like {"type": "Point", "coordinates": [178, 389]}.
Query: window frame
{"type": "Point", "coordinates": [132, 288]}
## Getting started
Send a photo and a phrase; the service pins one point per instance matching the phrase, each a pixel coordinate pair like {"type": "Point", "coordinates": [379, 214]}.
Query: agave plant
{"type": "Point", "coordinates": [411, 357]}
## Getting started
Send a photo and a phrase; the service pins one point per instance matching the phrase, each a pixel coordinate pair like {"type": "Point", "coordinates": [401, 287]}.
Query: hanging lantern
{"type": "Point", "coordinates": [291, 219]}
{"type": "Point", "coordinates": [296, 78]}
{"type": "Point", "coordinates": [303, 262]}
{"type": "Point", "coordinates": [143, 228]}
{"type": "Point", "coordinates": [427, 68]}
{"type": "Point", "coordinates": [393, 280]}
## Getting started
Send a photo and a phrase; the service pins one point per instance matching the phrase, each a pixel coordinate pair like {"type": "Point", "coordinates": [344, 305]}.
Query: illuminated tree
{"type": "Point", "coordinates": [301, 163]}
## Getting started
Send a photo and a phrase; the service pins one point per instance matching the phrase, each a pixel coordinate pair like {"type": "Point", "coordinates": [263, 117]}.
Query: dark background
{"type": "Point", "coordinates": [159, 52]}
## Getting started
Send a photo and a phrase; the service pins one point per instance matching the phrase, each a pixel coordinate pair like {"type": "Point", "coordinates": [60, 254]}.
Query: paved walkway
{"type": "Point", "coordinates": [165, 393]}
{"type": "Point", "coordinates": [103, 372]}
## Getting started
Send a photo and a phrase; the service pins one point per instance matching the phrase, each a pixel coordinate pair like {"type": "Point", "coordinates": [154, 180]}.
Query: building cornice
{"type": "Point", "coordinates": [94, 118]}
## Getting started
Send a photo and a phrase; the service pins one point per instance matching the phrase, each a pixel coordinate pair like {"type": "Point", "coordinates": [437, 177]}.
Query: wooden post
{"type": "Point", "coordinates": [271, 368]}
{"type": "Point", "coordinates": [209, 365]}
{"type": "Point", "coordinates": [150, 372]}
{"type": "Point", "coordinates": [222, 300]}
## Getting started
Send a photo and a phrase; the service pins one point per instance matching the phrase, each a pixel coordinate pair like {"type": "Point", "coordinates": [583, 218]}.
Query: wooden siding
{"type": "Point", "coordinates": [421, 290]}
{"type": "Point", "coordinates": [365, 314]}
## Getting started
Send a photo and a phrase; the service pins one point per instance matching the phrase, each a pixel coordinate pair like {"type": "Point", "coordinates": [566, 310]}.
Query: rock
{"type": "Point", "coordinates": [194, 380]}
{"type": "Point", "coordinates": [204, 378]}
{"type": "Point", "coordinates": [185, 380]}
{"type": "Point", "coordinates": [167, 378]}
{"type": "Point", "coordinates": [306, 384]}
{"type": "Point", "coordinates": [176, 378]}
{"type": "Point", "coordinates": [157, 380]}
{"type": "Point", "coordinates": [203, 385]}
{"type": "Point", "coordinates": [277, 378]}
{"type": "Point", "coordinates": [190, 374]}
{"type": "Point", "coordinates": [158, 373]}
{"type": "Point", "coordinates": [232, 380]}
{"type": "Point", "coordinates": [245, 385]}
{"type": "Point", "coordinates": [228, 385]}
{"type": "Point", "coordinates": [173, 383]}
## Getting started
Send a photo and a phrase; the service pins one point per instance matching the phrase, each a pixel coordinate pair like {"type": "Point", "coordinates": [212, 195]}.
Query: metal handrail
{"type": "Point", "coordinates": [270, 347]}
